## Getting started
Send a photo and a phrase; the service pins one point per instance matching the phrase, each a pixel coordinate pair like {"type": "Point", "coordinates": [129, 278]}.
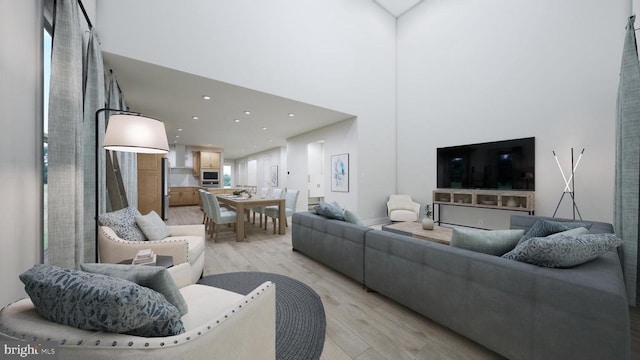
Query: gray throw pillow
{"type": "Point", "coordinates": [123, 222]}
{"type": "Point", "coordinates": [152, 226]}
{"type": "Point", "coordinates": [351, 217]}
{"type": "Point", "coordinates": [563, 251]}
{"type": "Point", "coordinates": [156, 278]}
{"type": "Point", "coordinates": [492, 242]}
{"type": "Point", "coordinates": [100, 303]}
{"type": "Point", "coordinates": [571, 232]}
{"type": "Point", "coordinates": [544, 227]}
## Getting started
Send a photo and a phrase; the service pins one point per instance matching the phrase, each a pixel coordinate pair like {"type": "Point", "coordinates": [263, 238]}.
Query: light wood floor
{"type": "Point", "coordinates": [360, 325]}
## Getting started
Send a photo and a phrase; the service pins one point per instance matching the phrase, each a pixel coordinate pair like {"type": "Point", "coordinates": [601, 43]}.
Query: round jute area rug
{"type": "Point", "coordinates": [300, 319]}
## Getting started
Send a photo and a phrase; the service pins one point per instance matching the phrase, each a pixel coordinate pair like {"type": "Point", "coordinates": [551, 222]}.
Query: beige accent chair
{"type": "Point", "coordinates": [186, 245]}
{"type": "Point", "coordinates": [402, 208]}
{"type": "Point", "coordinates": [220, 324]}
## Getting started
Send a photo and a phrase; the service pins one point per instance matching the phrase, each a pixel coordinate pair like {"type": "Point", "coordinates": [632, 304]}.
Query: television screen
{"type": "Point", "coordinates": [498, 165]}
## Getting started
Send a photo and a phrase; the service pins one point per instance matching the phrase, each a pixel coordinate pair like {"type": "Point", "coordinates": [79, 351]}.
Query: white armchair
{"type": "Point", "coordinates": [185, 244]}
{"type": "Point", "coordinates": [402, 208]}
{"type": "Point", "coordinates": [219, 324]}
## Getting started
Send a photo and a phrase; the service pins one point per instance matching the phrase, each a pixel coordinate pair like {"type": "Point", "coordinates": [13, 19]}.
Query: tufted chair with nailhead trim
{"type": "Point", "coordinates": [220, 324]}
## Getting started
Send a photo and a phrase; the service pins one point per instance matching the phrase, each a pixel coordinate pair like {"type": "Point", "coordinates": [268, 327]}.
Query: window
{"type": "Point", "coordinates": [226, 175]}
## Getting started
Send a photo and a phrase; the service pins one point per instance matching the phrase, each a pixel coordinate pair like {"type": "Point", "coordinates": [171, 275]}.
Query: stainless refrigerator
{"type": "Point", "coordinates": [166, 168]}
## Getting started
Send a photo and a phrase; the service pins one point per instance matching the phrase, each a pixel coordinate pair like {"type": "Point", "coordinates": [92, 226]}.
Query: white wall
{"type": "Point", "coordinates": [315, 169]}
{"type": "Point", "coordinates": [260, 173]}
{"type": "Point", "coordinates": [477, 71]}
{"type": "Point", "coordinates": [20, 142]}
{"type": "Point", "coordinates": [344, 51]}
{"type": "Point", "coordinates": [339, 138]}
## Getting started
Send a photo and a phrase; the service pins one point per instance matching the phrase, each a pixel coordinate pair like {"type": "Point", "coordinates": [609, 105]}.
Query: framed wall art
{"type": "Point", "coordinates": [274, 175]}
{"type": "Point", "coordinates": [340, 172]}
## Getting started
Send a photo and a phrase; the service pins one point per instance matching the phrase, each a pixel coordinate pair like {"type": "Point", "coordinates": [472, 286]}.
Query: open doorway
{"type": "Point", "coordinates": [315, 171]}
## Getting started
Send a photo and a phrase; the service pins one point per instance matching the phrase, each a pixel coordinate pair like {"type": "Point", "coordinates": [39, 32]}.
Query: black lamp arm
{"type": "Point", "coordinates": [97, 164]}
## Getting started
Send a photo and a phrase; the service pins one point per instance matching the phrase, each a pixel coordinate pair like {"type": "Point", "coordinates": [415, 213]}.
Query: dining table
{"type": "Point", "coordinates": [243, 205]}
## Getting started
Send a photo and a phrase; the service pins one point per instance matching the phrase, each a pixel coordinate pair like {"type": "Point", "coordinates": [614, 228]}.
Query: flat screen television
{"type": "Point", "coordinates": [498, 165]}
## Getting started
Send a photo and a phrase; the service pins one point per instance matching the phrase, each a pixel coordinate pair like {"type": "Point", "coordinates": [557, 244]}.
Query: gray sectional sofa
{"type": "Point", "coordinates": [519, 310]}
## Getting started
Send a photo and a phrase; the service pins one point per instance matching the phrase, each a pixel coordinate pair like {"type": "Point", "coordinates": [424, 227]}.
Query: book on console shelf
{"type": "Point", "coordinates": [144, 257]}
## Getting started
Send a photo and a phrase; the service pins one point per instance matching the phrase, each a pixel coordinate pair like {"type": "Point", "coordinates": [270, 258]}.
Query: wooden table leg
{"type": "Point", "coordinates": [240, 222]}
{"type": "Point", "coordinates": [282, 219]}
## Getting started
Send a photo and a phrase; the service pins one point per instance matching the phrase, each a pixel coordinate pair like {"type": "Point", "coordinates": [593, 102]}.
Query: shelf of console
{"type": "Point", "coordinates": [485, 199]}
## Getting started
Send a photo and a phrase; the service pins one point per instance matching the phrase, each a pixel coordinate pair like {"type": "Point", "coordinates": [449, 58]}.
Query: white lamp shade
{"type": "Point", "coordinates": [138, 134]}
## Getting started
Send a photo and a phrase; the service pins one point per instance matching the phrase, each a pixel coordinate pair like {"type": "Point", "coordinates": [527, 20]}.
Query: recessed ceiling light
{"type": "Point", "coordinates": [264, 128]}
{"type": "Point", "coordinates": [206, 97]}
{"type": "Point", "coordinates": [270, 140]}
{"type": "Point", "coordinates": [177, 136]}
{"type": "Point", "coordinates": [195, 118]}
{"type": "Point", "coordinates": [292, 114]}
{"type": "Point", "coordinates": [247, 112]}
{"type": "Point", "coordinates": [179, 129]}
{"type": "Point", "coordinates": [236, 120]}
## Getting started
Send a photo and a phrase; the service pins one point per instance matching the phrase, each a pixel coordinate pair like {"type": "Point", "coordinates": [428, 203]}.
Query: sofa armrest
{"type": "Point", "coordinates": [224, 336]}
{"type": "Point", "coordinates": [181, 274]}
{"type": "Point", "coordinates": [415, 207]}
{"type": "Point", "coordinates": [113, 249]}
{"type": "Point", "coordinates": [187, 230]}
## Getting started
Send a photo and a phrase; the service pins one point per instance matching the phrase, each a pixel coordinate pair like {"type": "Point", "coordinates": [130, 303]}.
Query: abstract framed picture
{"type": "Point", "coordinates": [340, 173]}
{"type": "Point", "coordinates": [274, 175]}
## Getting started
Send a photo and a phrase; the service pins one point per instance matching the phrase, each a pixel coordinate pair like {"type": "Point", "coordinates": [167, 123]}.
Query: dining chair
{"type": "Point", "coordinates": [291, 199]}
{"type": "Point", "coordinates": [275, 194]}
{"type": "Point", "coordinates": [263, 193]}
{"type": "Point", "coordinates": [205, 205]}
{"type": "Point", "coordinates": [218, 216]}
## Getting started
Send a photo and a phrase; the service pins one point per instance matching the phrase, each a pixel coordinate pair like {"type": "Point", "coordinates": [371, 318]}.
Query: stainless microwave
{"type": "Point", "coordinates": [210, 177]}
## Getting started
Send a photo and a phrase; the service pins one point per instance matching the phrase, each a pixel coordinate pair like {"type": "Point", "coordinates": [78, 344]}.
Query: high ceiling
{"type": "Point", "coordinates": [176, 97]}
{"type": "Point", "coordinates": [397, 7]}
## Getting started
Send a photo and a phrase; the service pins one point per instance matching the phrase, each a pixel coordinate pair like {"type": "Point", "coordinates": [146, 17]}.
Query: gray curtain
{"type": "Point", "coordinates": [128, 161]}
{"type": "Point", "coordinates": [627, 182]}
{"type": "Point", "coordinates": [94, 99]}
{"type": "Point", "coordinates": [65, 188]}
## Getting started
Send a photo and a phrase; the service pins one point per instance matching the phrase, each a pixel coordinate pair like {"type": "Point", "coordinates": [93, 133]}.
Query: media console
{"type": "Point", "coordinates": [487, 199]}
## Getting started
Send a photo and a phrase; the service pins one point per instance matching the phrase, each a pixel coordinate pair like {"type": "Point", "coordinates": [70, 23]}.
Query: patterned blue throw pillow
{"type": "Point", "coordinates": [100, 303]}
{"type": "Point", "coordinates": [123, 222]}
{"type": "Point", "coordinates": [330, 210]}
{"type": "Point", "coordinates": [563, 251]}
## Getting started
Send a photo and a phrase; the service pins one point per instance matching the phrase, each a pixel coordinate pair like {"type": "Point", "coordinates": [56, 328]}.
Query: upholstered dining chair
{"type": "Point", "coordinates": [263, 193]}
{"type": "Point", "coordinates": [205, 206]}
{"type": "Point", "coordinates": [291, 199]}
{"type": "Point", "coordinates": [218, 216]}
{"type": "Point", "coordinates": [275, 193]}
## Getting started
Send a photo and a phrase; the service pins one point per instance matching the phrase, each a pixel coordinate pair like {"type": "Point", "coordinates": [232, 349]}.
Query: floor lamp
{"type": "Point", "coordinates": [128, 132]}
{"type": "Point", "coordinates": [570, 184]}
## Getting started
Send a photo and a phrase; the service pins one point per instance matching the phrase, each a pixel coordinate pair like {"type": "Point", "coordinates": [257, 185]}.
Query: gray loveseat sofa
{"type": "Point", "coordinates": [519, 310]}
